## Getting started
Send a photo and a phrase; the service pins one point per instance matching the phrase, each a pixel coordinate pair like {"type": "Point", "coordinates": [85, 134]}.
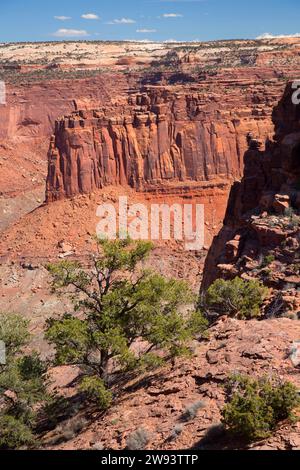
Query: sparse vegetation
{"type": "Point", "coordinates": [98, 446]}
{"type": "Point", "coordinates": [293, 223]}
{"type": "Point", "coordinates": [138, 440]}
{"type": "Point", "coordinates": [176, 431]}
{"type": "Point", "coordinates": [11, 77]}
{"type": "Point", "coordinates": [68, 430]}
{"type": "Point", "coordinates": [289, 212]}
{"type": "Point", "coordinates": [238, 298]}
{"type": "Point", "coordinates": [256, 406]}
{"type": "Point", "coordinates": [191, 410]}
{"type": "Point", "coordinates": [267, 260]}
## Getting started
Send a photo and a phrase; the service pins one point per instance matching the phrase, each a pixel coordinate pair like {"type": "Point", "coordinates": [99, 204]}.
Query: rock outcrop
{"type": "Point", "coordinates": [261, 233]}
{"type": "Point", "coordinates": [165, 134]}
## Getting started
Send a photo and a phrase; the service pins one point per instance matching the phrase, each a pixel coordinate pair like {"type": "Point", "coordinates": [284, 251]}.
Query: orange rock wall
{"type": "Point", "coordinates": [163, 135]}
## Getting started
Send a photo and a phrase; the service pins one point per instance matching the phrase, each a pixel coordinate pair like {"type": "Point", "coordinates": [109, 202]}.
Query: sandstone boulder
{"type": "Point", "coordinates": [281, 203]}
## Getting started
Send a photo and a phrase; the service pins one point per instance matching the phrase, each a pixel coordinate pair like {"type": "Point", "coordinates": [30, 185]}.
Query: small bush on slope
{"type": "Point", "coordinates": [267, 260]}
{"type": "Point", "coordinates": [255, 407]}
{"type": "Point", "coordinates": [238, 298]}
{"type": "Point", "coordinates": [191, 410]}
{"type": "Point", "coordinates": [138, 439]}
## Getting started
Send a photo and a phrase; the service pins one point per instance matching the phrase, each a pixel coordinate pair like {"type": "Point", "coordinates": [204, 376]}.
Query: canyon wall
{"type": "Point", "coordinates": [260, 237]}
{"type": "Point", "coordinates": [27, 121]}
{"type": "Point", "coordinates": [164, 134]}
{"type": "Point", "coordinates": [157, 117]}
{"type": "Point", "coordinates": [51, 80]}
{"type": "Point", "coordinates": [33, 107]}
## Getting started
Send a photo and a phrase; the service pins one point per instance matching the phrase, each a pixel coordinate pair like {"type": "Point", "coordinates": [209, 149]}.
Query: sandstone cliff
{"type": "Point", "coordinates": [261, 233]}
{"type": "Point", "coordinates": [164, 134]}
{"type": "Point", "coordinates": [27, 122]}
{"type": "Point", "coordinates": [53, 80]}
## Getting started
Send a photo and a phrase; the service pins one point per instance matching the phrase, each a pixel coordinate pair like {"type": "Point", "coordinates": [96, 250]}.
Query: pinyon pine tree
{"type": "Point", "coordinates": [116, 304]}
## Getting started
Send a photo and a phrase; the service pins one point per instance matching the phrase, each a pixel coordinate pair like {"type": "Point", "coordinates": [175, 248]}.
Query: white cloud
{"type": "Point", "coordinates": [172, 15]}
{"type": "Point", "coordinates": [146, 41]}
{"type": "Point", "coordinates": [194, 41]}
{"type": "Point", "coordinates": [90, 16]}
{"type": "Point", "coordinates": [274, 36]}
{"type": "Point", "coordinates": [68, 33]}
{"type": "Point", "coordinates": [63, 18]}
{"type": "Point", "coordinates": [122, 21]}
{"type": "Point", "coordinates": [144, 30]}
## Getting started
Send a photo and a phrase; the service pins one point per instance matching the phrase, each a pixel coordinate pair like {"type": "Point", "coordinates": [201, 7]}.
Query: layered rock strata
{"type": "Point", "coordinates": [163, 135]}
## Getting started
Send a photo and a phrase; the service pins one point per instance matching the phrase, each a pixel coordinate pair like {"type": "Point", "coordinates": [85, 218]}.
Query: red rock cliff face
{"type": "Point", "coordinates": [163, 135]}
{"type": "Point", "coordinates": [27, 122]}
{"type": "Point", "coordinates": [260, 237]}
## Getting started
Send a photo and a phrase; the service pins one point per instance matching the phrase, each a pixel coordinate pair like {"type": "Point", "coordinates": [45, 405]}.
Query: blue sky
{"type": "Point", "coordinates": [159, 20]}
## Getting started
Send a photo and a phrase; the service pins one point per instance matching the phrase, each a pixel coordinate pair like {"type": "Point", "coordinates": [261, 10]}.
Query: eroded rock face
{"type": "Point", "coordinates": [27, 122]}
{"type": "Point", "coordinates": [261, 233]}
{"type": "Point", "coordinates": [164, 134]}
{"type": "Point", "coordinates": [239, 81]}
{"type": "Point", "coordinates": [212, 111]}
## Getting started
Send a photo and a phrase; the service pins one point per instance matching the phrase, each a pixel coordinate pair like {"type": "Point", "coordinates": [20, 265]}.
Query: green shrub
{"type": "Point", "coordinates": [255, 407]}
{"type": "Point", "coordinates": [120, 303]}
{"type": "Point", "coordinates": [31, 367]}
{"type": "Point", "coordinates": [23, 376]}
{"type": "Point", "coordinates": [238, 298]}
{"type": "Point", "coordinates": [95, 389]}
{"type": "Point", "coordinates": [13, 332]}
{"type": "Point", "coordinates": [150, 361]}
{"type": "Point", "coordinates": [289, 212]}
{"type": "Point", "coordinates": [14, 433]}
{"type": "Point", "coordinates": [267, 261]}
